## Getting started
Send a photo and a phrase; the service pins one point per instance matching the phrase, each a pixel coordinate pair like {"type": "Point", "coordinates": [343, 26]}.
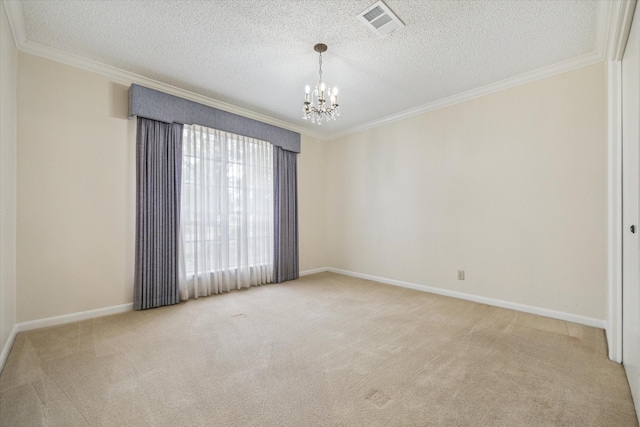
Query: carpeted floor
{"type": "Point", "coordinates": [325, 350]}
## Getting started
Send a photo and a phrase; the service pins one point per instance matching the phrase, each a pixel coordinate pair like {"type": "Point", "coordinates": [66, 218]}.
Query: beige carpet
{"type": "Point", "coordinates": [325, 350]}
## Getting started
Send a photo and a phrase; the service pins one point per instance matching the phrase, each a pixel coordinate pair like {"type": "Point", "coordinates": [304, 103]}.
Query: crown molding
{"type": "Point", "coordinates": [613, 24]}
{"type": "Point", "coordinates": [126, 78]}
{"type": "Point", "coordinates": [612, 19]}
{"type": "Point", "coordinates": [18, 29]}
{"type": "Point", "coordinates": [16, 21]}
{"type": "Point", "coordinates": [559, 68]}
{"type": "Point", "coordinates": [619, 25]}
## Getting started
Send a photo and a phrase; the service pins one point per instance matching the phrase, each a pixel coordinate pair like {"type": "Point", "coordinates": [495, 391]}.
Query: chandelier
{"type": "Point", "coordinates": [315, 103]}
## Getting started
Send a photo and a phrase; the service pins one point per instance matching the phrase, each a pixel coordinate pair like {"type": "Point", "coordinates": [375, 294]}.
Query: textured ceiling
{"type": "Point", "coordinates": [258, 55]}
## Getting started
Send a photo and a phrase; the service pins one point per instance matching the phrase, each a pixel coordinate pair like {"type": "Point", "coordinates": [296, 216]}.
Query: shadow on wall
{"type": "Point", "coordinates": [119, 109]}
{"type": "Point", "coordinates": [119, 101]}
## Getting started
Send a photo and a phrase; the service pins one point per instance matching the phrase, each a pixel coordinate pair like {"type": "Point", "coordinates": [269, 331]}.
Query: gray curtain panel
{"type": "Point", "coordinates": [158, 169]}
{"type": "Point", "coordinates": [285, 260]}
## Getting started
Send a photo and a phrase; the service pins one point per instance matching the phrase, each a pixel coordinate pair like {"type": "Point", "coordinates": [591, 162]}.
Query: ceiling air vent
{"type": "Point", "coordinates": [380, 19]}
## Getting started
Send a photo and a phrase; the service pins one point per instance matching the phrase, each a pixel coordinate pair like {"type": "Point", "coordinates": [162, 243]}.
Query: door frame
{"type": "Point", "coordinates": [620, 25]}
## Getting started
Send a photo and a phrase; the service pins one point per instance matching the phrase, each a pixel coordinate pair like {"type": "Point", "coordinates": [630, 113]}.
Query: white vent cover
{"type": "Point", "coordinates": [380, 19]}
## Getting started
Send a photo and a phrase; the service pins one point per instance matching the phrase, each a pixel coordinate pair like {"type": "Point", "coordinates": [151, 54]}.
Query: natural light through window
{"type": "Point", "coordinates": [226, 205]}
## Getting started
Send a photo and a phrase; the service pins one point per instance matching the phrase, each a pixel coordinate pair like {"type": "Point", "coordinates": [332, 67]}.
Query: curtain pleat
{"type": "Point", "coordinates": [285, 215]}
{"type": "Point", "coordinates": [158, 170]}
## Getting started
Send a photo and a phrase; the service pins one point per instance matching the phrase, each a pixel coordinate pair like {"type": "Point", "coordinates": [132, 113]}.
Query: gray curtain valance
{"type": "Point", "coordinates": [160, 106]}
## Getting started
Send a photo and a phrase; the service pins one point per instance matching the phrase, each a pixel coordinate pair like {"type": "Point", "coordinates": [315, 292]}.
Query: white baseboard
{"type": "Point", "coordinates": [7, 346]}
{"type": "Point", "coordinates": [314, 271]}
{"type": "Point", "coordinates": [84, 315]}
{"type": "Point", "coordinates": [58, 320]}
{"type": "Point", "coordinates": [73, 317]}
{"type": "Point", "coordinates": [583, 320]}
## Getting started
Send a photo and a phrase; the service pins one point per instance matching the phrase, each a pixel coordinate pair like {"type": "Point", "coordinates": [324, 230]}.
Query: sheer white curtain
{"type": "Point", "coordinates": [226, 214]}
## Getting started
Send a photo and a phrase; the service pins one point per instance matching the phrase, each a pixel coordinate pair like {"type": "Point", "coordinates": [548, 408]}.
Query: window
{"type": "Point", "coordinates": [226, 210]}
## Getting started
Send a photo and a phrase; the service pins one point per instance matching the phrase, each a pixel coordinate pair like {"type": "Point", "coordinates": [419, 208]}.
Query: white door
{"type": "Point", "coordinates": [630, 185]}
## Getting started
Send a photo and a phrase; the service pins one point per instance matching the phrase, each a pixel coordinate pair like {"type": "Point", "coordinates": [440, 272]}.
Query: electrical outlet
{"type": "Point", "coordinates": [460, 274]}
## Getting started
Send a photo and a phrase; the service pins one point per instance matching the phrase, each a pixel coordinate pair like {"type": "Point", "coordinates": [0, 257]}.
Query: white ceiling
{"type": "Point", "coordinates": [258, 55]}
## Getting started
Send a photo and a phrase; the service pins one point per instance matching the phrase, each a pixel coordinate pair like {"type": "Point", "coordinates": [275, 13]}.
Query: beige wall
{"type": "Point", "coordinates": [510, 187]}
{"type": "Point", "coordinates": [8, 140]}
{"type": "Point", "coordinates": [76, 192]}
{"type": "Point", "coordinates": [311, 205]}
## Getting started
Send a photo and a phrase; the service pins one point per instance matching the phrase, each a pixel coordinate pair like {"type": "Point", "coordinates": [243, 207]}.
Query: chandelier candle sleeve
{"type": "Point", "coordinates": [314, 101]}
